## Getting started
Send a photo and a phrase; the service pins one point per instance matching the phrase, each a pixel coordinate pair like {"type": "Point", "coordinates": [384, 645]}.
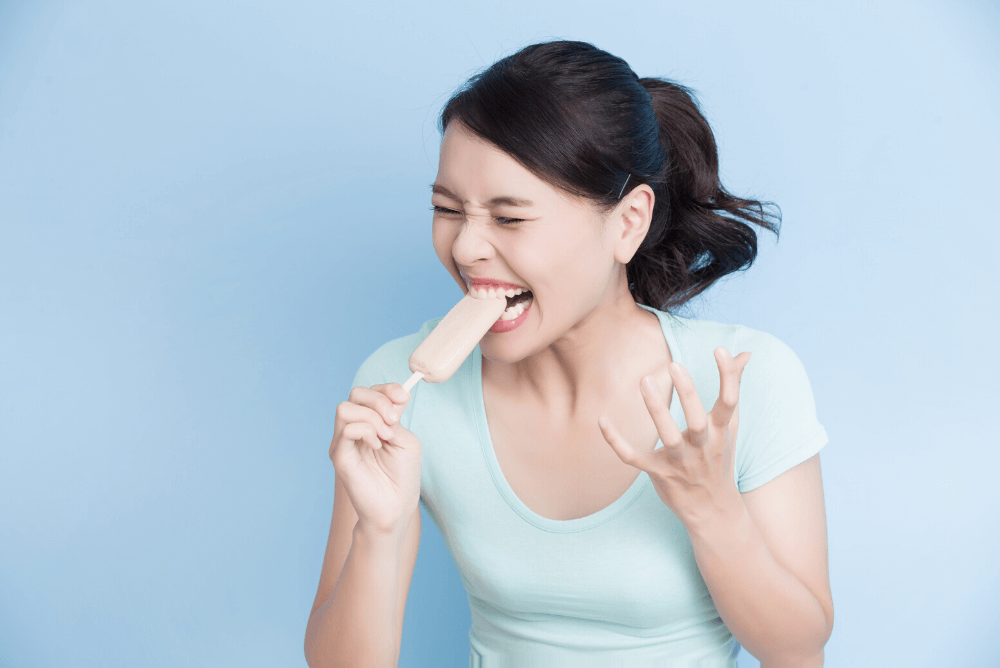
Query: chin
{"type": "Point", "coordinates": [493, 356]}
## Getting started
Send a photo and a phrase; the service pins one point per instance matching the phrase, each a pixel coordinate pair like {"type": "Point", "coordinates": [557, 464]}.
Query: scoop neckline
{"type": "Point", "coordinates": [603, 515]}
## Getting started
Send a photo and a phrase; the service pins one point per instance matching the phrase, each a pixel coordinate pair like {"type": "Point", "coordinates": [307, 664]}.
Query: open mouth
{"type": "Point", "coordinates": [517, 299]}
{"type": "Point", "coordinates": [516, 305]}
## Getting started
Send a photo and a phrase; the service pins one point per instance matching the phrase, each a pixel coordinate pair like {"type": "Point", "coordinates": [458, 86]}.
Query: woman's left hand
{"type": "Point", "coordinates": [693, 471]}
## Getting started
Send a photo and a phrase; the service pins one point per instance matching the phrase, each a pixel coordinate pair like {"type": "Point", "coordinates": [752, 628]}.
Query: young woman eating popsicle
{"type": "Point", "coordinates": [616, 484]}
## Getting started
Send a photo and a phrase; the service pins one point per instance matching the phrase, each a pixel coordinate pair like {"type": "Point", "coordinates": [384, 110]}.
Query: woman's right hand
{"type": "Point", "coordinates": [377, 460]}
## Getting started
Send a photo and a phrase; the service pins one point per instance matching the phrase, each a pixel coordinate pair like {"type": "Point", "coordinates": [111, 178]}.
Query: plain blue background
{"type": "Point", "coordinates": [212, 212]}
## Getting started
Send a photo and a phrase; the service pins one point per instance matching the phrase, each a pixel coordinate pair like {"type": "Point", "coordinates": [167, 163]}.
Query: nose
{"type": "Point", "coordinates": [471, 244]}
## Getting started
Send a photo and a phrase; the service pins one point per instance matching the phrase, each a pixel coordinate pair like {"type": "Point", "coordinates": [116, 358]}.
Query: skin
{"type": "Point", "coordinates": [584, 339]}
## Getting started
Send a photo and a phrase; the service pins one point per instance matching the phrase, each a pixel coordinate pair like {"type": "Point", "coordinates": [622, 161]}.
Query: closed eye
{"type": "Point", "coordinates": [502, 221]}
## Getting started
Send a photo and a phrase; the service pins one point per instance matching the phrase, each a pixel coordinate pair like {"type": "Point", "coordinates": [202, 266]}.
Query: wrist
{"type": "Point", "coordinates": [724, 519]}
{"type": "Point", "coordinates": [381, 537]}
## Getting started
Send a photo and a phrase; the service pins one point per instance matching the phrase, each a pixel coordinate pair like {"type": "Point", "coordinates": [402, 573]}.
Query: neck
{"type": "Point", "coordinates": [604, 355]}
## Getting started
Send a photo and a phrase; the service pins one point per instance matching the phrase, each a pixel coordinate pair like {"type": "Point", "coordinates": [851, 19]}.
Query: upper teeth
{"type": "Point", "coordinates": [493, 293]}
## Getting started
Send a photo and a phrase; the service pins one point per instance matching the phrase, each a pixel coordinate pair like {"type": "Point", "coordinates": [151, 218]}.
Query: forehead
{"type": "Point", "coordinates": [473, 168]}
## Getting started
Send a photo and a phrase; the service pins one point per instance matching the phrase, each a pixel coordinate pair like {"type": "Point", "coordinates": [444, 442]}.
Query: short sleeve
{"type": "Point", "coordinates": [778, 428]}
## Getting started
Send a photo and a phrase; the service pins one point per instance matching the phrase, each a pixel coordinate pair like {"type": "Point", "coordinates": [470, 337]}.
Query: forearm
{"type": "Point", "coordinates": [356, 626]}
{"type": "Point", "coordinates": [767, 609]}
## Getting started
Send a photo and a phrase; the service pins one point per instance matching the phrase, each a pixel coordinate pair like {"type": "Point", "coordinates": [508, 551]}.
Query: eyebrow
{"type": "Point", "coordinates": [502, 200]}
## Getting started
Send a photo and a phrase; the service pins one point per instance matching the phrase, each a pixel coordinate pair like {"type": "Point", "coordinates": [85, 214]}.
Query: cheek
{"type": "Point", "coordinates": [443, 238]}
{"type": "Point", "coordinates": [574, 256]}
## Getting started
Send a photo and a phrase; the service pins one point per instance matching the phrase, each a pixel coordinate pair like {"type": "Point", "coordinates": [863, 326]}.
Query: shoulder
{"type": "Point", "coordinates": [726, 333]}
{"type": "Point", "coordinates": [702, 337]}
{"type": "Point", "coordinates": [693, 334]}
{"type": "Point", "coordinates": [771, 359]}
{"type": "Point", "coordinates": [701, 329]}
{"type": "Point", "coordinates": [776, 397]}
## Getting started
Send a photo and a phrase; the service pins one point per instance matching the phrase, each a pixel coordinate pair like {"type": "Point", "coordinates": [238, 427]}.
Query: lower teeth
{"type": "Point", "coordinates": [516, 310]}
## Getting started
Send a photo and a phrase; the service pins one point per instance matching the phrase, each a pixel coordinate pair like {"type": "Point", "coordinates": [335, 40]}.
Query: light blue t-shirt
{"type": "Point", "coordinates": [620, 587]}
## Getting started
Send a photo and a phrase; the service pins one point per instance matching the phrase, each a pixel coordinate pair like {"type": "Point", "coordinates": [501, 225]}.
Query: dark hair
{"type": "Point", "coordinates": [580, 119]}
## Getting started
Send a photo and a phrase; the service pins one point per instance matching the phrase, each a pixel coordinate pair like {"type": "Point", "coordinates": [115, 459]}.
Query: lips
{"type": "Point", "coordinates": [488, 283]}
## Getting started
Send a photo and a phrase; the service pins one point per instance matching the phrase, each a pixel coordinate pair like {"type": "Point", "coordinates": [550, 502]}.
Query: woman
{"type": "Point", "coordinates": [595, 517]}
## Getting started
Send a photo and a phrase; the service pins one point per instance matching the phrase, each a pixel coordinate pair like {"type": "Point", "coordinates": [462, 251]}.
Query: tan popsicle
{"type": "Point", "coordinates": [443, 351]}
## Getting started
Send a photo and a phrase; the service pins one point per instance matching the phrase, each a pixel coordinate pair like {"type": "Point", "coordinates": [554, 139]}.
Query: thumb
{"type": "Point", "coordinates": [621, 446]}
{"type": "Point", "coordinates": [741, 364]}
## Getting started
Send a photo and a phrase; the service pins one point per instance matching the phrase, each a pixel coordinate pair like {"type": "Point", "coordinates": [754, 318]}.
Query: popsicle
{"type": "Point", "coordinates": [443, 351]}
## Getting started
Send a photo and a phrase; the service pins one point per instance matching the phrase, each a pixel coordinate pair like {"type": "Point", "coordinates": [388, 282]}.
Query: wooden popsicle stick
{"type": "Point", "coordinates": [413, 380]}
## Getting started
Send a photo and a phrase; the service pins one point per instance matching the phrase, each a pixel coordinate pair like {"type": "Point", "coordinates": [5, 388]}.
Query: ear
{"type": "Point", "coordinates": [630, 221]}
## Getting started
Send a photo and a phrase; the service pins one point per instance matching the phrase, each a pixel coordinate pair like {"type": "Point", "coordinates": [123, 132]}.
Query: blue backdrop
{"type": "Point", "coordinates": [212, 212]}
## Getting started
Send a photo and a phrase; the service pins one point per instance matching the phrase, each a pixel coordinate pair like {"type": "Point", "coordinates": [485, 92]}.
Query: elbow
{"type": "Point", "coordinates": [309, 645]}
{"type": "Point", "coordinates": [306, 645]}
{"type": "Point", "coordinates": [812, 661]}
{"type": "Point", "coordinates": [803, 657]}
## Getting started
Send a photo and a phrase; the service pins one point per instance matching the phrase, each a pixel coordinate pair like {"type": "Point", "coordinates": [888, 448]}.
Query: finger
{"type": "Point", "coordinates": [373, 437]}
{"type": "Point", "coordinates": [625, 451]}
{"type": "Point", "coordinates": [730, 376]}
{"type": "Point", "coordinates": [350, 446]}
{"type": "Point", "coordinates": [739, 381]}
{"type": "Point", "coordinates": [694, 412]}
{"type": "Point", "coordinates": [744, 364]}
{"type": "Point", "coordinates": [364, 432]}
{"type": "Point", "coordinates": [730, 372]}
{"type": "Point", "coordinates": [735, 424]}
{"type": "Point", "coordinates": [666, 428]}
{"type": "Point", "coordinates": [395, 392]}
{"type": "Point", "coordinates": [373, 398]}
{"type": "Point", "coordinates": [348, 412]}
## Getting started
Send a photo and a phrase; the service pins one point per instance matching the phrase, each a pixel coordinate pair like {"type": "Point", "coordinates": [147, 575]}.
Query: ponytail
{"type": "Point", "coordinates": [699, 232]}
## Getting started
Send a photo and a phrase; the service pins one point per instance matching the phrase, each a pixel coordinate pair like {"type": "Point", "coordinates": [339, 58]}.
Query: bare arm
{"type": "Point", "coordinates": [357, 615]}
{"type": "Point", "coordinates": [361, 571]}
{"type": "Point", "coordinates": [357, 624]}
{"type": "Point", "coordinates": [766, 569]}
